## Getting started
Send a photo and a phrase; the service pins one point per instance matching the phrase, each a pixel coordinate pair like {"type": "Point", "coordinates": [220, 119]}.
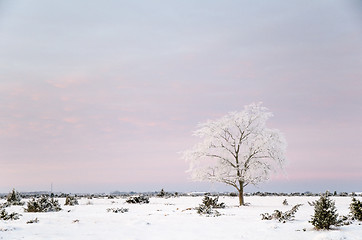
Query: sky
{"type": "Point", "coordinates": [98, 96]}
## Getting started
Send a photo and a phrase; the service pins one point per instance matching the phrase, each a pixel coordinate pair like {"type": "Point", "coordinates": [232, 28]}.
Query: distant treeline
{"type": "Point", "coordinates": [163, 193]}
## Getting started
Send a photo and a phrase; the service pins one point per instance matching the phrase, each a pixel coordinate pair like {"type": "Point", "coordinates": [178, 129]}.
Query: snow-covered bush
{"type": "Point", "coordinates": [6, 216]}
{"type": "Point", "coordinates": [14, 199]}
{"type": "Point", "coordinates": [356, 209]}
{"type": "Point", "coordinates": [325, 213]}
{"type": "Point", "coordinates": [43, 204]}
{"type": "Point", "coordinates": [162, 193]}
{"type": "Point", "coordinates": [209, 201]}
{"type": "Point", "coordinates": [280, 216]}
{"type": "Point", "coordinates": [117, 210]}
{"type": "Point", "coordinates": [208, 205]}
{"type": "Point", "coordinates": [139, 199]}
{"type": "Point", "coordinates": [36, 220]}
{"type": "Point", "coordinates": [71, 201]}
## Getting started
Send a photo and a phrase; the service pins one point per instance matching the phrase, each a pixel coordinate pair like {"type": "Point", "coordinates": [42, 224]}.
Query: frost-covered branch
{"type": "Point", "coordinates": [237, 149]}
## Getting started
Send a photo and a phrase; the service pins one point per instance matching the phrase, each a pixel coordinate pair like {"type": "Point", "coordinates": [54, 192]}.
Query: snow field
{"type": "Point", "coordinates": [175, 218]}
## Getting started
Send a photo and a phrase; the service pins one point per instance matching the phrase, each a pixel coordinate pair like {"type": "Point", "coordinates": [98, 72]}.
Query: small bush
{"type": "Point", "coordinates": [14, 198]}
{"type": "Point", "coordinates": [280, 216]}
{"type": "Point", "coordinates": [71, 201]}
{"type": "Point", "coordinates": [36, 220]}
{"type": "Point", "coordinates": [6, 216]}
{"type": "Point", "coordinates": [356, 209]}
{"type": "Point", "coordinates": [325, 213]}
{"type": "Point", "coordinates": [117, 210]}
{"type": "Point", "coordinates": [208, 205]}
{"type": "Point", "coordinates": [285, 202]}
{"type": "Point", "coordinates": [43, 204]}
{"type": "Point", "coordinates": [212, 202]}
{"type": "Point", "coordinates": [162, 193]}
{"type": "Point", "coordinates": [139, 199]}
{"type": "Point", "coordinates": [345, 220]}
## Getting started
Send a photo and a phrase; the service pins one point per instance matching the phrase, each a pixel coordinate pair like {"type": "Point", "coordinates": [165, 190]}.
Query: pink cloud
{"type": "Point", "coordinates": [138, 122]}
{"type": "Point", "coordinates": [71, 120]}
{"type": "Point", "coordinates": [10, 129]}
{"type": "Point", "coordinates": [70, 80]}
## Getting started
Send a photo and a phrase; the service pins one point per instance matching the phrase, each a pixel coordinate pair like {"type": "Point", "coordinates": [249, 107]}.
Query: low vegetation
{"type": "Point", "coordinates": [325, 213]}
{"type": "Point", "coordinates": [4, 215]}
{"type": "Point", "coordinates": [138, 199]}
{"type": "Point", "coordinates": [43, 204]}
{"type": "Point", "coordinates": [36, 220]}
{"type": "Point", "coordinates": [71, 201]}
{"type": "Point", "coordinates": [13, 198]}
{"type": "Point", "coordinates": [356, 209]}
{"type": "Point", "coordinates": [209, 205]}
{"type": "Point", "coordinates": [117, 210]}
{"type": "Point", "coordinates": [281, 216]}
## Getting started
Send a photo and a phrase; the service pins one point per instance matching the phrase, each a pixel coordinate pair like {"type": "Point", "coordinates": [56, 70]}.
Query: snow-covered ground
{"type": "Point", "coordinates": [172, 218]}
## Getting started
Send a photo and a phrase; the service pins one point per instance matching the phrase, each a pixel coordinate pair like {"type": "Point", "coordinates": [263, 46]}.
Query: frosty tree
{"type": "Point", "coordinates": [237, 149]}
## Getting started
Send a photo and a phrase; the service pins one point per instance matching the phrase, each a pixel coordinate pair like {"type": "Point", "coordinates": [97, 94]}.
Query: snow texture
{"type": "Point", "coordinates": [175, 218]}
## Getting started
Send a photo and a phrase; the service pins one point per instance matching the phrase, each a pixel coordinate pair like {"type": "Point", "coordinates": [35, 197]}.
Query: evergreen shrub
{"type": "Point", "coordinates": [6, 216]}
{"type": "Point", "coordinates": [14, 198]}
{"type": "Point", "coordinates": [325, 213]}
{"type": "Point", "coordinates": [43, 204]}
{"type": "Point", "coordinates": [71, 201]}
{"type": "Point", "coordinates": [356, 209]}
{"type": "Point", "coordinates": [139, 199]}
{"type": "Point", "coordinates": [208, 205]}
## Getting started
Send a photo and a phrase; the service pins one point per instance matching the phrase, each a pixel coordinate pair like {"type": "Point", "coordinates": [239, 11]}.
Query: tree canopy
{"type": "Point", "coordinates": [237, 149]}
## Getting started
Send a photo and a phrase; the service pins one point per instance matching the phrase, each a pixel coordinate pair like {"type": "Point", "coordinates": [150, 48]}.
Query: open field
{"type": "Point", "coordinates": [175, 218]}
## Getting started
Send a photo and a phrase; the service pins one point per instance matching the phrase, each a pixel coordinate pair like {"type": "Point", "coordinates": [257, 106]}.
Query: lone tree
{"type": "Point", "coordinates": [237, 149]}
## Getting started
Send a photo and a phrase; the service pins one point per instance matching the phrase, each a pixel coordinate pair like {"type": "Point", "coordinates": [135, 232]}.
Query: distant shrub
{"type": "Point", "coordinates": [14, 198]}
{"type": "Point", "coordinates": [233, 194]}
{"type": "Point", "coordinates": [36, 220]}
{"type": "Point", "coordinates": [43, 204]}
{"type": "Point", "coordinates": [356, 209]}
{"type": "Point", "coordinates": [6, 216]}
{"type": "Point", "coordinates": [117, 210]}
{"type": "Point", "coordinates": [162, 193]}
{"type": "Point", "coordinates": [285, 202]}
{"type": "Point", "coordinates": [208, 205]}
{"type": "Point", "coordinates": [280, 216]}
{"type": "Point", "coordinates": [325, 213]}
{"type": "Point", "coordinates": [71, 201]}
{"type": "Point", "coordinates": [139, 199]}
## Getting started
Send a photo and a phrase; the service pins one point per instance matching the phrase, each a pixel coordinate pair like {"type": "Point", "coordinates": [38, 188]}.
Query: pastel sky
{"type": "Point", "coordinates": [97, 96]}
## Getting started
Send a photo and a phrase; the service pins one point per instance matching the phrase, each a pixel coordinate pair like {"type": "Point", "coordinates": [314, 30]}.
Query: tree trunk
{"type": "Point", "coordinates": [241, 195]}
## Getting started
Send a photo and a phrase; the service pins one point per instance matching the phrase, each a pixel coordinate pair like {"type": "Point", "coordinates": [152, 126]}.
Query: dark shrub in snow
{"type": "Point", "coordinates": [139, 199]}
{"type": "Point", "coordinates": [356, 209]}
{"type": "Point", "coordinates": [71, 201]}
{"type": "Point", "coordinates": [325, 213]}
{"type": "Point", "coordinates": [36, 220]}
{"type": "Point", "coordinates": [208, 205]}
{"type": "Point", "coordinates": [43, 204]}
{"type": "Point", "coordinates": [14, 198]}
{"type": "Point", "coordinates": [212, 202]}
{"type": "Point", "coordinates": [280, 216]}
{"type": "Point", "coordinates": [162, 193]}
{"type": "Point", "coordinates": [117, 210]}
{"type": "Point", "coordinates": [6, 216]}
